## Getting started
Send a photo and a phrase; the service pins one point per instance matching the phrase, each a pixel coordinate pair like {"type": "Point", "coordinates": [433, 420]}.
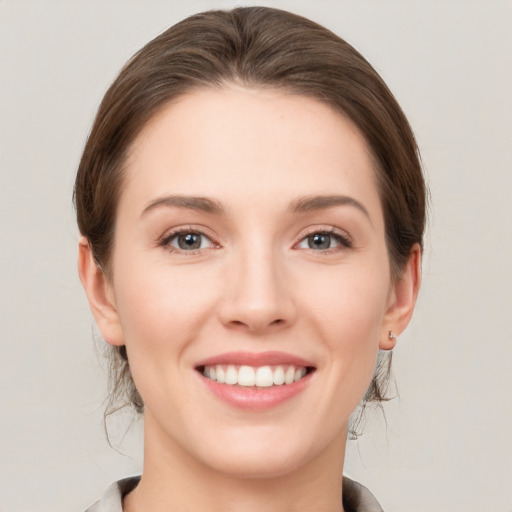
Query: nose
{"type": "Point", "coordinates": [257, 295]}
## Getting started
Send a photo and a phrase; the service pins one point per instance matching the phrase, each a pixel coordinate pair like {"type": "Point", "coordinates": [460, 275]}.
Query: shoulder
{"type": "Point", "coordinates": [112, 499]}
{"type": "Point", "coordinates": [357, 498]}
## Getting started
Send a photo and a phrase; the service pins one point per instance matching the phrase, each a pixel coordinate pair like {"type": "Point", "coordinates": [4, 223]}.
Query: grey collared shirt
{"type": "Point", "coordinates": [356, 497]}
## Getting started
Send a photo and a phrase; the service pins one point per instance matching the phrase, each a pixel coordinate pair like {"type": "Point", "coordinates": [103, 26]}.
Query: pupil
{"type": "Point", "coordinates": [319, 241]}
{"type": "Point", "coordinates": [189, 241]}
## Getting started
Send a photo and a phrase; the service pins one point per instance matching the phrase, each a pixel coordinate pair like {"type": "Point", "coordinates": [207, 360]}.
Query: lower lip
{"type": "Point", "coordinates": [253, 398]}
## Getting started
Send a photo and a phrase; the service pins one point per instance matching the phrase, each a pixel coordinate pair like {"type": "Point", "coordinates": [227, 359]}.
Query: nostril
{"type": "Point", "coordinates": [256, 325]}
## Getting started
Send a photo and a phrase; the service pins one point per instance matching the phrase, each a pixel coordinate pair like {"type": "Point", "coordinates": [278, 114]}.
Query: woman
{"type": "Point", "coordinates": [252, 207]}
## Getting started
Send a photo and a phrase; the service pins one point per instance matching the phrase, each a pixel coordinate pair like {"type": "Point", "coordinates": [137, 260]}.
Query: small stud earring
{"type": "Point", "coordinates": [392, 335]}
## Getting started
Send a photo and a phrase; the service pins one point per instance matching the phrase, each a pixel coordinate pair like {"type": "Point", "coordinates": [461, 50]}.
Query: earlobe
{"type": "Point", "coordinates": [99, 294]}
{"type": "Point", "coordinates": [404, 295]}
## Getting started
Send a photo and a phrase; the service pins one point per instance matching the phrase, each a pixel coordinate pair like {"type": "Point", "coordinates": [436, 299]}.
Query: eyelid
{"type": "Point", "coordinates": [180, 230]}
{"type": "Point", "coordinates": [344, 238]}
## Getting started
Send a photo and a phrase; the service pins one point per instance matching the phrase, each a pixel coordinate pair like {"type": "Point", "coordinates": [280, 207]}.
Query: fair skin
{"type": "Point", "coordinates": [249, 223]}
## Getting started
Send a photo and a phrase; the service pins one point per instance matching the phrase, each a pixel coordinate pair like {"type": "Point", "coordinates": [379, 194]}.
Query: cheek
{"type": "Point", "coordinates": [166, 303]}
{"type": "Point", "coordinates": [349, 302]}
{"type": "Point", "coordinates": [161, 309]}
{"type": "Point", "coordinates": [162, 312]}
{"type": "Point", "coordinates": [348, 312]}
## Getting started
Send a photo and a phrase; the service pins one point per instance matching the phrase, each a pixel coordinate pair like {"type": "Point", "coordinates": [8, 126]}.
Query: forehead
{"type": "Point", "coordinates": [238, 142]}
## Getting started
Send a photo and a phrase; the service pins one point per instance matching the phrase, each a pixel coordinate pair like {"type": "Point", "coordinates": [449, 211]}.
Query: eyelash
{"type": "Point", "coordinates": [343, 240]}
{"type": "Point", "coordinates": [166, 241]}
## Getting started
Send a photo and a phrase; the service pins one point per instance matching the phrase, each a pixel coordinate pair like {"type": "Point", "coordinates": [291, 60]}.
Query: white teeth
{"type": "Point", "coordinates": [289, 375]}
{"type": "Point", "coordinates": [246, 376]}
{"type": "Point", "coordinates": [262, 377]}
{"type": "Point", "coordinates": [278, 376]}
{"type": "Point", "coordinates": [231, 375]}
{"type": "Point", "coordinates": [299, 373]}
{"type": "Point", "coordinates": [221, 374]}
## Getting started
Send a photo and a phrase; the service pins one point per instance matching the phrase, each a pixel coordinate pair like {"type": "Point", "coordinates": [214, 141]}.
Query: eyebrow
{"type": "Point", "coordinates": [311, 203]}
{"type": "Point", "coordinates": [203, 204]}
{"type": "Point", "coordinates": [299, 205]}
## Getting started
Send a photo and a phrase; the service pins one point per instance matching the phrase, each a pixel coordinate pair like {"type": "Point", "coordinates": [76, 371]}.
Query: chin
{"type": "Point", "coordinates": [255, 464]}
{"type": "Point", "coordinates": [266, 453]}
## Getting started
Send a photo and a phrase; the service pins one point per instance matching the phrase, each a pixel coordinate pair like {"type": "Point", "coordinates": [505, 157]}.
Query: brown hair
{"type": "Point", "coordinates": [254, 47]}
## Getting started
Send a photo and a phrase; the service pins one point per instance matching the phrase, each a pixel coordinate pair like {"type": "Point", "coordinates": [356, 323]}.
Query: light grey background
{"type": "Point", "coordinates": [447, 445]}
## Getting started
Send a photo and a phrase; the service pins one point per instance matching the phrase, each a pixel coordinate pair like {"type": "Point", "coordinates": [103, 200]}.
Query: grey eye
{"type": "Point", "coordinates": [319, 241]}
{"type": "Point", "coordinates": [190, 241]}
{"type": "Point", "coordinates": [323, 241]}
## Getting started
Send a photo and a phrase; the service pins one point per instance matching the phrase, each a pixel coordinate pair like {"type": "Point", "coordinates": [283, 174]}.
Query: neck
{"type": "Point", "coordinates": [171, 478]}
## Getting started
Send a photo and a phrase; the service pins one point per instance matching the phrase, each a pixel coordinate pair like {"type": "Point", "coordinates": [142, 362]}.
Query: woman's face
{"type": "Point", "coordinates": [250, 246]}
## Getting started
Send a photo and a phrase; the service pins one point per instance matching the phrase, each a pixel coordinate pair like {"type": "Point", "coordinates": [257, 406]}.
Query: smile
{"type": "Point", "coordinates": [255, 381]}
{"type": "Point", "coordinates": [249, 376]}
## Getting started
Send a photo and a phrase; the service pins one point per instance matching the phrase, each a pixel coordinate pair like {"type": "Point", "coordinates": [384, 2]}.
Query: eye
{"type": "Point", "coordinates": [323, 241]}
{"type": "Point", "coordinates": [187, 241]}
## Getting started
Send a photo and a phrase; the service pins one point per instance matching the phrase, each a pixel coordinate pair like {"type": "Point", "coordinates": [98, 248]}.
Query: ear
{"type": "Point", "coordinates": [402, 300]}
{"type": "Point", "coordinates": [100, 294]}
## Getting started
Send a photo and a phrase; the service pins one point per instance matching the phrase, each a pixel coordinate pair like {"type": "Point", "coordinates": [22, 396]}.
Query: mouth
{"type": "Point", "coordinates": [255, 381]}
{"type": "Point", "coordinates": [255, 376]}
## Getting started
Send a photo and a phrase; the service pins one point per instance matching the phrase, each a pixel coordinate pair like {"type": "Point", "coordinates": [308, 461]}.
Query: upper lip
{"type": "Point", "coordinates": [270, 358]}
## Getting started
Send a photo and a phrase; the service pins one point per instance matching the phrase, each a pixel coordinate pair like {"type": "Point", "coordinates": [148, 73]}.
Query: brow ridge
{"type": "Point", "coordinates": [300, 205]}
{"type": "Point", "coordinates": [204, 204]}
{"type": "Point", "coordinates": [322, 202]}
